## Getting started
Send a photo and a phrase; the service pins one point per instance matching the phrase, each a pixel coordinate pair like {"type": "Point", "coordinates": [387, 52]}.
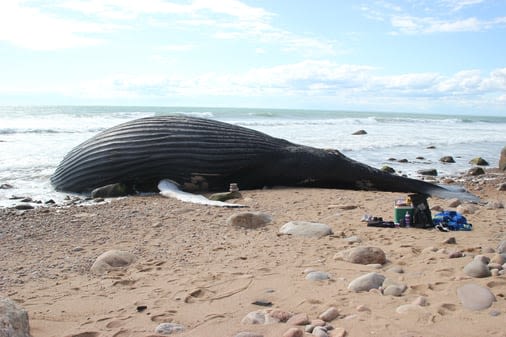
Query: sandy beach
{"type": "Point", "coordinates": [194, 269]}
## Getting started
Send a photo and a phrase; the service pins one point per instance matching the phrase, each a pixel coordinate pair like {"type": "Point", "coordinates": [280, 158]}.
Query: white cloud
{"type": "Point", "coordinates": [31, 28]}
{"type": "Point", "coordinates": [425, 25]}
{"type": "Point", "coordinates": [80, 23]}
{"type": "Point", "coordinates": [433, 17]}
{"type": "Point", "coordinates": [341, 83]}
{"type": "Point", "coordinates": [457, 5]}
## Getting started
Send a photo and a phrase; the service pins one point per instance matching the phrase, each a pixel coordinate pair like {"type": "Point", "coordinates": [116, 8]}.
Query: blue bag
{"type": "Point", "coordinates": [452, 220]}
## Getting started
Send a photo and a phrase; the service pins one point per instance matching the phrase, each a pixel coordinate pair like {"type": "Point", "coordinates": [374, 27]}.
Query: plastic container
{"type": "Point", "coordinates": [407, 220]}
{"type": "Point", "coordinates": [400, 214]}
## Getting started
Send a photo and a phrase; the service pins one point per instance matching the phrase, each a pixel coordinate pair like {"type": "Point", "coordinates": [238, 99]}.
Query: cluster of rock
{"type": "Point", "coordinates": [320, 326]}
{"type": "Point", "coordinates": [483, 266]}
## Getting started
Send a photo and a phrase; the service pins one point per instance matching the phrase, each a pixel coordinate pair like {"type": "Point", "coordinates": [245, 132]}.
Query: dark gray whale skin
{"type": "Point", "coordinates": [207, 155]}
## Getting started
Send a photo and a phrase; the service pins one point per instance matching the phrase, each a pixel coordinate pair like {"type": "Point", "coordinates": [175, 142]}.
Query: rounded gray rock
{"type": "Point", "coordinates": [366, 282]}
{"type": "Point", "coordinates": [249, 220]}
{"type": "Point", "coordinates": [306, 229]}
{"type": "Point", "coordinates": [110, 260]}
{"type": "Point", "coordinates": [477, 268]}
{"type": "Point", "coordinates": [394, 290]}
{"type": "Point", "coordinates": [363, 255]}
{"type": "Point", "coordinates": [169, 328]}
{"type": "Point", "coordinates": [329, 314]}
{"type": "Point", "coordinates": [475, 297]}
{"type": "Point", "coordinates": [317, 276]}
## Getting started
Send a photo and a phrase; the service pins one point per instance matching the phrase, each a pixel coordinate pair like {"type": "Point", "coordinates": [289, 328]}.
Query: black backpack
{"type": "Point", "coordinates": [422, 217]}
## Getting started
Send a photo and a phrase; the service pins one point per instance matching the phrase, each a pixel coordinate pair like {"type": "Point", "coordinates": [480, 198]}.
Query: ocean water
{"type": "Point", "coordinates": [33, 139]}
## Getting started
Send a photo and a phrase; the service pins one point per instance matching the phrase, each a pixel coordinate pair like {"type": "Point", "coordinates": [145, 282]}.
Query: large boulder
{"type": "Point", "coordinates": [13, 319]}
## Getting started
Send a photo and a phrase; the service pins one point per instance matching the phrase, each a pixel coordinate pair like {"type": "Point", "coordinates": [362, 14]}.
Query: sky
{"type": "Point", "coordinates": [439, 56]}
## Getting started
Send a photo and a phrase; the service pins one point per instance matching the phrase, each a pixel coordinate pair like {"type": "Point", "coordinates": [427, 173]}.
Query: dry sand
{"type": "Point", "coordinates": [193, 269]}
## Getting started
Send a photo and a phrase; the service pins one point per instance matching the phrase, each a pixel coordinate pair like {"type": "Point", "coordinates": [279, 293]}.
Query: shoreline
{"type": "Point", "coordinates": [193, 268]}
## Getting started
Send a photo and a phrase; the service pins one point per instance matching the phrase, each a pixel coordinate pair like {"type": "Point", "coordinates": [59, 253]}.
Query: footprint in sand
{"type": "Point", "coordinates": [163, 317]}
{"type": "Point", "coordinates": [85, 334]}
{"type": "Point", "coordinates": [445, 307]}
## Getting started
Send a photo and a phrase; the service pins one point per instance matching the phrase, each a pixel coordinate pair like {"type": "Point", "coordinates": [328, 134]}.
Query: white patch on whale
{"type": "Point", "coordinates": [170, 190]}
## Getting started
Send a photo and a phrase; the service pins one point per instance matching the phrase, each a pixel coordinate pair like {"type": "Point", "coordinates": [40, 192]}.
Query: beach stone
{"type": "Point", "coordinates": [476, 171]}
{"type": "Point", "coordinates": [366, 282]}
{"type": "Point", "coordinates": [305, 229]}
{"type": "Point", "coordinates": [475, 297]}
{"type": "Point", "coordinates": [454, 255]}
{"type": "Point", "coordinates": [13, 319]}
{"type": "Point", "coordinates": [362, 255]}
{"type": "Point", "coordinates": [320, 331]}
{"type": "Point", "coordinates": [501, 247]}
{"type": "Point", "coordinates": [254, 317]}
{"type": "Point", "coordinates": [293, 332]}
{"type": "Point", "coordinates": [250, 220]}
{"type": "Point", "coordinates": [447, 159]}
{"type": "Point", "coordinates": [498, 258]}
{"type": "Point", "coordinates": [110, 191]}
{"type": "Point", "coordinates": [428, 172]}
{"type": "Point", "coordinates": [454, 202]}
{"type": "Point", "coordinates": [299, 319]}
{"type": "Point", "coordinates": [502, 159]}
{"type": "Point", "coordinates": [467, 209]}
{"type": "Point", "coordinates": [495, 313]}
{"type": "Point", "coordinates": [317, 276]}
{"type": "Point", "coordinates": [248, 334]}
{"type": "Point", "coordinates": [353, 239]}
{"type": "Point", "coordinates": [318, 322]}
{"type": "Point", "coordinates": [477, 268]}
{"type": "Point", "coordinates": [169, 328]}
{"type": "Point", "coordinates": [450, 241]}
{"type": "Point", "coordinates": [394, 290]}
{"type": "Point", "coordinates": [110, 260]}
{"type": "Point", "coordinates": [23, 207]}
{"type": "Point", "coordinates": [387, 169]}
{"type": "Point", "coordinates": [479, 161]}
{"type": "Point", "coordinates": [259, 317]}
{"type": "Point", "coordinates": [329, 314]}
{"type": "Point", "coordinates": [279, 315]}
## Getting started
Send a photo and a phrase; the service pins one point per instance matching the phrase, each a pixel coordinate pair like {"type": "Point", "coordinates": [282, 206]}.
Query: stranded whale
{"type": "Point", "coordinates": [207, 155]}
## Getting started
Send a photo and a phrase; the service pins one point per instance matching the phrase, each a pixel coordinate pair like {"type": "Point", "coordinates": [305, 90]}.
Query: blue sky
{"type": "Point", "coordinates": [440, 56]}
